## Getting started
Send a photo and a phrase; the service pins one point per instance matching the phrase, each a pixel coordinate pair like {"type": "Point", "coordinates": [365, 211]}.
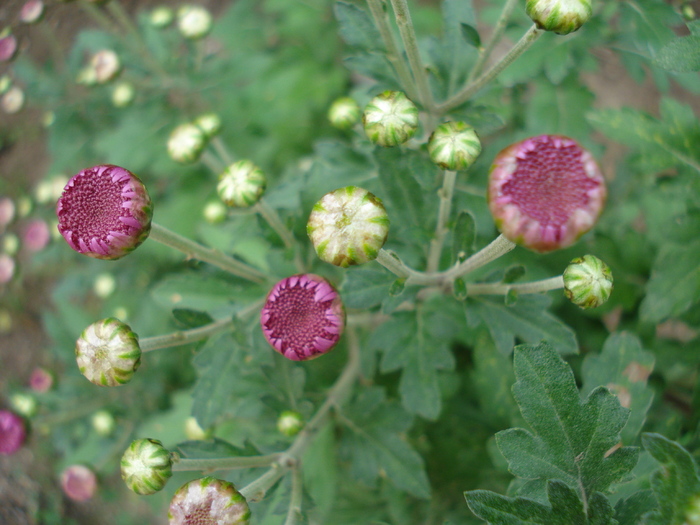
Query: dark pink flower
{"type": "Point", "coordinates": [12, 432]}
{"type": "Point", "coordinates": [78, 483]}
{"type": "Point", "coordinates": [303, 317]}
{"type": "Point", "coordinates": [8, 48]}
{"type": "Point", "coordinates": [105, 212]}
{"type": "Point", "coordinates": [545, 192]}
{"type": "Point", "coordinates": [41, 380]}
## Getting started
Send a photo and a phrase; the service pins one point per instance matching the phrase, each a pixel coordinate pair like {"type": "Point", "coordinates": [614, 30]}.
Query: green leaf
{"type": "Point", "coordinates": [195, 291]}
{"type": "Point", "coordinates": [674, 285]}
{"type": "Point", "coordinates": [365, 287]}
{"type": "Point", "coordinates": [188, 318]}
{"type": "Point", "coordinates": [571, 441]}
{"type": "Point", "coordinates": [560, 108]}
{"type": "Point", "coordinates": [357, 27]}
{"type": "Point", "coordinates": [623, 367]}
{"type": "Point", "coordinates": [681, 55]}
{"type": "Point", "coordinates": [528, 320]}
{"type": "Point", "coordinates": [373, 441]}
{"type": "Point", "coordinates": [320, 470]}
{"type": "Point", "coordinates": [629, 511]}
{"type": "Point", "coordinates": [470, 35]}
{"type": "Point", "coordinates": [463, 236]}
{"type": "Point", "coordinates": [214, 448]}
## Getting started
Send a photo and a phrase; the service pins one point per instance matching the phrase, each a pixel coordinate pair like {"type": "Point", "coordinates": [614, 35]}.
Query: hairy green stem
{"type": "Point", "coordinates": [222, 150]}
{"type": "Point", "coordinates": [392, 50]}
{"type": "Point", "coordinates": [446, 193]}
{"type": "Point", "coordinates": [495, 37]}
{"type": "Point", "coordinates": [227, 463]}
{"type": "Point", "coordinates": [529, 38]}
{"type": "Point", "coordinates": [211, 162]}
{"type": "Point", "coordinates": [544, 285]}
{"type": "Point", "coordinates": [408, 35]}
{"type": "Point", "coordinates": [497, 248]}
{"type": "Point", "coordinates": [294, 515]}
{"type": "Point", "coordinates": [209, 255]}
{"type": "Point", "coordinates": [256, 490]}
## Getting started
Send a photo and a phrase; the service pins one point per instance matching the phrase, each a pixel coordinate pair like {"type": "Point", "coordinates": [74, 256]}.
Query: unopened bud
{"type": "Point", "coordinates": [12, 432]}
{"type": "Point", "coordinates": [194, 21]}
{"type": "Point", "coordinates": [10, 244]}
{"type": "Point", "coordinates": [123, 94]}
{"type": "Point", "coordinates": [24, 404]}
{"type": "Point", "coordinates": [103, 422]}
{"type": "Point", "coordinates": [146, 466]}
{"type": "Point", "coordinates": [209, 123]}
{"type": "Point", "coordinates": [560, 16]}
{"type": "Point", "coordinates": [79, 483]}
{"type": "Point", "coordinates": [344, 113]}
{"type": "Point", "coordinates": [8, 47]}
{"type": "Point", "coordinates": [7, 268]}
{"type": "Point", "coordinates": [104, 285]}
{"type": "Point", "coordinates": [32, 12]}
{"type": "Point", "coordinates": [108, 353]}
{"type": "Point", "coordinates": [390, 119]}
{"type": "Point", "coordinates": [161, 17]}
{"type": "Point", "coordinates": [86, 76]}
{"type": "Point", "coordinates": [211, 500]}
{"type": "Point", "coordinates": [7, 212]}
{"type": "Point", "coordinates": [241, 184]}
{"type": "Point", "coordinates": [588, 281]}
{"type": "Point", "coordinates": [186, 143]}
{"type": "Point", "coordinates": [454, 146]}
{"type": "Point", "coordinates": [41, 380]}
{"type": "Point", "coordinates": [13, 100]}
{"type": "Point", "coordinates": [194, 431]}
{"type": "Point", "coordinates": [290, 423]}
{"type": "Point", "coordinates": [214, 212]}
{"type": "Point", "coordinates": [106, 65]}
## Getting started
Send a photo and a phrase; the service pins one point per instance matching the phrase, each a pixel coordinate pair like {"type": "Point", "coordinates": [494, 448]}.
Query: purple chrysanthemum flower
{"type": "Point", "coordinates": [303, 317]}
{"type": "Point", "coordinates": [545, 192]}
{"type": "Point", "coordinates": [208, 501]}
{"type": "Point", "coordinates": [78, 482]}
{"type": "Point", "coordinates": [105, 212]}
{"type": "Point", "coordinates": [12, 432]}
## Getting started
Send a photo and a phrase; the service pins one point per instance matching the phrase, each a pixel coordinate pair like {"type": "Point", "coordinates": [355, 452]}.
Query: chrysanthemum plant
{"type": "Point", "coordinates": [350, 327]}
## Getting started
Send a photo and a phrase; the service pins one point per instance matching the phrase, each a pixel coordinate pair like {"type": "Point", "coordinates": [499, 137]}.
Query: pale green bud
{"type": "Point", "coordinates": [194, 21]}
{"type": "Point", "coordinates": [24, 404]}
{"type": "Point", "coordinates": [108, 352]}
{"type": "Point", "coordinates": [194, 431]}
{"type": "Point", "coordinates": [588, 282]}
{"type": "Point", "coordinates": [123, 94]}
{"type": "Point", "coordinates": [290, 423]}
{"type": "Point", "coordinates": [161, 17]}
{"type": "Point", "coordinates": [390, 119]}
{"type": "Point", "coordinates": [241, 184]}
{"type": "Point", "coordinates": [146, 466]}
{"type": "Point", "coordinates": [5, 83]}
{"type": "Point", "coordinates": [344, 113]}
{"type": "Point", "coordinates": [560, 16]}
{"type": "Point", "coordinates": [13, 100]}
{"type": "Point", "coordinates": [186, 143]}
{"type": "Point", "coordinates": [214, 212]}
{"type": "Point", "coordinates": [454, 146]}
{"type": "Point", "coordinates": [10, 244]}
{"type": "Point", "coordinates": [103, 422]}
{"type": "Point", "coordinates": [86, 76]}
{"type": "Point", "coordinates": [104, 285]}
{"type": "Point", "coordinates": [209, 123]}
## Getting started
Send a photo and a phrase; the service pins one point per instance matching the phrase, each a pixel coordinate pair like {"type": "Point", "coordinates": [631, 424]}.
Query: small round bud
{"type": "Point", "coordinates": [5, 321]}
{"type": "Point", "coordinates": [390, 119]}
{"type": "Point", "coordinates": [194, 431]}
{"type": "Point", "coordinates": [32, 12]}
{"type": "Point", "coordinates": [86, 76]}
{"type": "Point", "coordinates": [214, 212]}
{"type": "Point", "coordinates": [344, 113]}
{"type": "Point", "coordinates": [10, 244]}
{"type": "Point", "coordinates": [588, 281]}
{"type": "Point", "coordinates": [123, 94]}
{"type": "Point", "coordinates": [79, 483]}
{"type": "Point", "coordinates": [108, 352]}
{"type": "Point", "coordinates": [36, 235]}
{"type": "Point", "coordinates": [208, 501]}
{"type": "Point", "coordinates": [24, 404]}
{"type": "Point", "coordinates": [7, 268]}
{"type": "Point", "coordinates": [24, 206]}
{"type": "Point", "coordinates": [348, 226]}
{"type": "Point", "coordinates": [146, 466]}
{"type": "Point", "coordinates": [12, 432]}
{"type": "Point", "coordinates": [5, 83]}
{"type": "Point", "coordinates": [13, 100]}
{"type": "Point", "coordinates": [48, 119]}
{"type": "Point", "coordinates": [161, 17]}
{"type": "Point", "coordinates": [545, 192]}
{"type": "Point", "coordinates": [241, 184]}
{"type": "Point", "coordinates": [104, 285]}
{"type": "Point", "coordinates": [560, 16]}
{"type": "Point", "coordinates": [8, 48]}
{"type": "Point", "coordinates": [209, 123]}
{"type": "Point", "coordinates": [105, 212]}
{"type": "Point", "coordinates": [41, 380]}
{"type": "Point", "coordinates": [186, 143]}
{"type": "Point", "coordinates": [103, 422]}
{"type": "Point", "coordinates": [106, 65]}
{"type": "Point", "coordinates": [194, 21]}
{"type": "Point", "coordinates": [303, 317]}
{"type": "Point", "coordinates": [7, 212]}
{"type": "Point", "coordinates": [290, 423]}
{"type": "Point", "coordinates": [120, 312]}
{"type": "Point", "coordinates": [454, 146]}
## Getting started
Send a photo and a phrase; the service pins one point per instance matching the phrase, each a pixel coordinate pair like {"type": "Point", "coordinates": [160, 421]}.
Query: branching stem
{"type": "Point", "coordinates": [441, 229]}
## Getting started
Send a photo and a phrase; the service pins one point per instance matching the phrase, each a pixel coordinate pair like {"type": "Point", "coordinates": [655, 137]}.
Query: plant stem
{"type": "Point", "coordinates": [529, 38]}
{"type": "Point", "coordinates": [211, 162]}
{"type": "Point", "coordinates": [222, 150]}
{"type": "Point", "coordinates": [544, 285]}
{"type": "Point", "coordinates": [392, 51]}
{"type": "Point", "coordinates": [256, 490]}
{"type": "Point", "coordinates": [495, 37]}
{"type": "Point", "coordinates": [228, 463]}
{"type": "Point", "coordinates": [209, 255]}
{"type": "Point", "coordinates": [408, 35]}
{"type": "Point", "coordinates": [294, 512]}
{"type": "Point", "coordinates": [497, 248]}
{"type": "Point", "coordinates": [446, 193]}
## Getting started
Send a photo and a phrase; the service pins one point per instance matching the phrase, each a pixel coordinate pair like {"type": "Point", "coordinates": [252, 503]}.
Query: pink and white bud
{"type": "Point", "coordinates": [208, 501]}
{"type": "Point", "coordinates": [13, 100]}
{"type": "Point", "coordinates": [390, 119]}
{"type": "Point", "coordinates": [105, 212]}
{"type": "Point", "coordinates": [8, 48]}
{"type": "Point", "coordinates": [12, 432]}
{"type": "Point", "coordinates": [303, 317]}
{"type": "Point", "coordinates": [32, 12]}
{"type": "Point", "coordinates": [106, 64]}
{"type": "Point", "coordinates": [41, 380]}
{"type": "Point", "coordinates": [7, 268]}
{"type": "Point", "coordinates": [545, 192]}
{"type": "Point", "coordinates": [78, 483]}
{"type": "Point", "coordinates": [36, 235]}
{"type": "Point", "coordinates": [7, 212]}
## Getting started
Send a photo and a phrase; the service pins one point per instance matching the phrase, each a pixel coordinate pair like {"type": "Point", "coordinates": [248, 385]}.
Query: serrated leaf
{"type": "Point", "coordinates": [629, 511]}
{"type": "Point", "coordinates": [681, 55]}
{"type": "Point", "coordinates": [470, 35]}
{"type": "Point", "coordinates": [528, 320]}
{"type": "Point", "coordinates": [674, 285]}
{"type": "Point", "coordinates": [623, 368]}
{"type": "Point", "coordinates": [320, 470]}
{"type": "Point", "coordinates": [214, 448]}
{"type": "Point", "coordinates": [463, 236]}
{"type": "Point", "coordinates": [357, 27]}
{"type": "Point", "coordinates": [365, 287]}
{"type": "Point", "coordinates": [676, 484]}
{"type": "Point", "coordinates": [560, 108]}
{"type": "Point", "coordinates": [571, 440]}
{"type": "Point", "coordinates": [513, 273]}
{"type": "Point", "coordinates": [188, 318]}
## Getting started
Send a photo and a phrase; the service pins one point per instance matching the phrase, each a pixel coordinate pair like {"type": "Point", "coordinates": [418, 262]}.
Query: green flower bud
{"type": "Point", "coordinates": [390, 119]}
{"type": "Point", "coordinates": [344, 113]}
{"type": "Point", "coordinates": [588, 282]}
{"type": "Point", "coordinates": [290, 423]}
{"type": "Point", "coordinates": [241, 184]}
{"type": "Point", "coordinates": [10, 244]}
{"type": "Point", "coordinates": [560, 16]}
{"type": "Point", "coordinates": [103, 422]}
{"type": "Point", "coordinates": [5, 84]}
{"type": "Point", "coordinates": [214, 212]}
{"type": "Point", "coordinates": [123, 94]}
{"type": "Point", "coordinates": [161, 17]}
{"type": "Point", "coordinates": [348, 226]}
{"type": "Point", "coordinates": [193, 21]}
{"type": "Point", "coordinates": [108, 352]}
{"type": "Point", "coordinates": [212, 501]}
{"type": "Point", "coordinates": [104, 285]}
{"type": "Point", "coordinates": [86, 76]}
{"type": "Point", "coordinates": [454, 146]}
{"type": "Point", "coordinates": [186, 143]}
{"type": "Point", "coordinates": [24, 404]}
{"type": "Point", "coordinates": [146, 466]}
{"type": "Point", "coordinates": [209, 123]}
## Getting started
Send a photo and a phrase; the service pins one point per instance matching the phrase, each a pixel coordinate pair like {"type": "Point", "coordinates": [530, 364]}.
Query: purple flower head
{"type": "Point", "coordinates": [303, 317]}
{"type": "Point", "coordinates": [12, 432]}
{"type": "Point", "coordinates": [105, 212]}
{"type": "Point", "coordinates": [208, 501]}
{"type": "Point", "coordinates": [78, 483]}
{"type": "Point", "coordinates": [545, 192]}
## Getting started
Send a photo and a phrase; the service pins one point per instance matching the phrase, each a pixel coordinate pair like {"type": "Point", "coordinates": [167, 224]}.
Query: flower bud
{"type": "Point", "coordinates": [108, 352]}
{"type": "Point", "coordinates": [241, 184]}
{"type": "Point", "coordinates": [86, 76]}
{"type": "Point", "coordinates": [193, 21]}
{"type": "Point", "coordinates": [588, 281]}
{"type": "Point", "coordinates": [106, 65]}
{"type": "Point", "coordinates": [123, 94]}
{"type": "Point", "coordinates": [32, 12]}
{"type": "Point", "coordinates": [303, 317]}
{"type": "Point", "coordinates": [40, 380]}
{"type": "Point", "coordinates": [209, 123]}
{"type": "Point", "coordinates": [390, 119]}
{"type": "Point", "coordinates": [560, 16]}
{"type": "Point", "coordinates": [105, 212]}
{"type": "Point", "coordinates": [103, 422]}
{"type": "Point", "coordinates": [186, 143]}
{"type": "Point", "coordinates": [12, 432]}
{"type": "Point", "coordinates": [7, 268]}
{"type": "Point", "coordinates": [692, 511]}
{"type": "Point", "coordinates": [36, 235]}
{"type": "Point", "coordinates": [545, 192]}
{"type": "Point", "coordinates": [344, 113]}
{"type": "Point", "coordinates": [10, 244]}
{"type": "Point", "coordinates": [454, 146]}
{"type": "Point", "coordinates": [104, 285]}
{"type": "Point", "coordinates": [194, 431]}
{"type": "Point", "coordinates": [5, 321]}
{"type": "Point", "coordinates": [146, 466]}
{"type": "Point", "coordinates": [7, 212]}
{"type": "Point", "coordinates": [13, 100]}
{"type": "Point", "coordinates": [5, 84]}
{"type": "Point", "coordinates": [213, 502]}
{"type": "Point", "coordinates": [78, 483]}
{"type": "Point", "coordinates": [24, 404]}
{"type": "Point", "coordinates": [290, 423]}
{"type": "Point", "coordinates": [24, 206]}
{"type": "Point", "coordinates": [8, 48]}
{"type": "Point", "coordinates": [214, 212]}
{"type": "Point", "coordinates": [161, 17]}
{"type": "Point", "coordinates": [348, 226]}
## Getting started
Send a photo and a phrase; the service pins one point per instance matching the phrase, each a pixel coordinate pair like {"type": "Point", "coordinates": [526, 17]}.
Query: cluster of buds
{"type": "Point", "coordinates": [208, 501]}
{"type": "Point", "coordinates": [187, 141]}
{"type": "Point", "coordinates": [241, 184]}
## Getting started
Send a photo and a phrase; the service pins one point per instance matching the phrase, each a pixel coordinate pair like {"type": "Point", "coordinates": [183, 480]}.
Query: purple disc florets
{"type": "Point", "coordinates": [303, 317]}
{"type": "Point", "coordinates": [545, 192]}
{"type": "Point", "coordinates": [12, 432]}
{"type": "Point", "coordinates": [105, 212]}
